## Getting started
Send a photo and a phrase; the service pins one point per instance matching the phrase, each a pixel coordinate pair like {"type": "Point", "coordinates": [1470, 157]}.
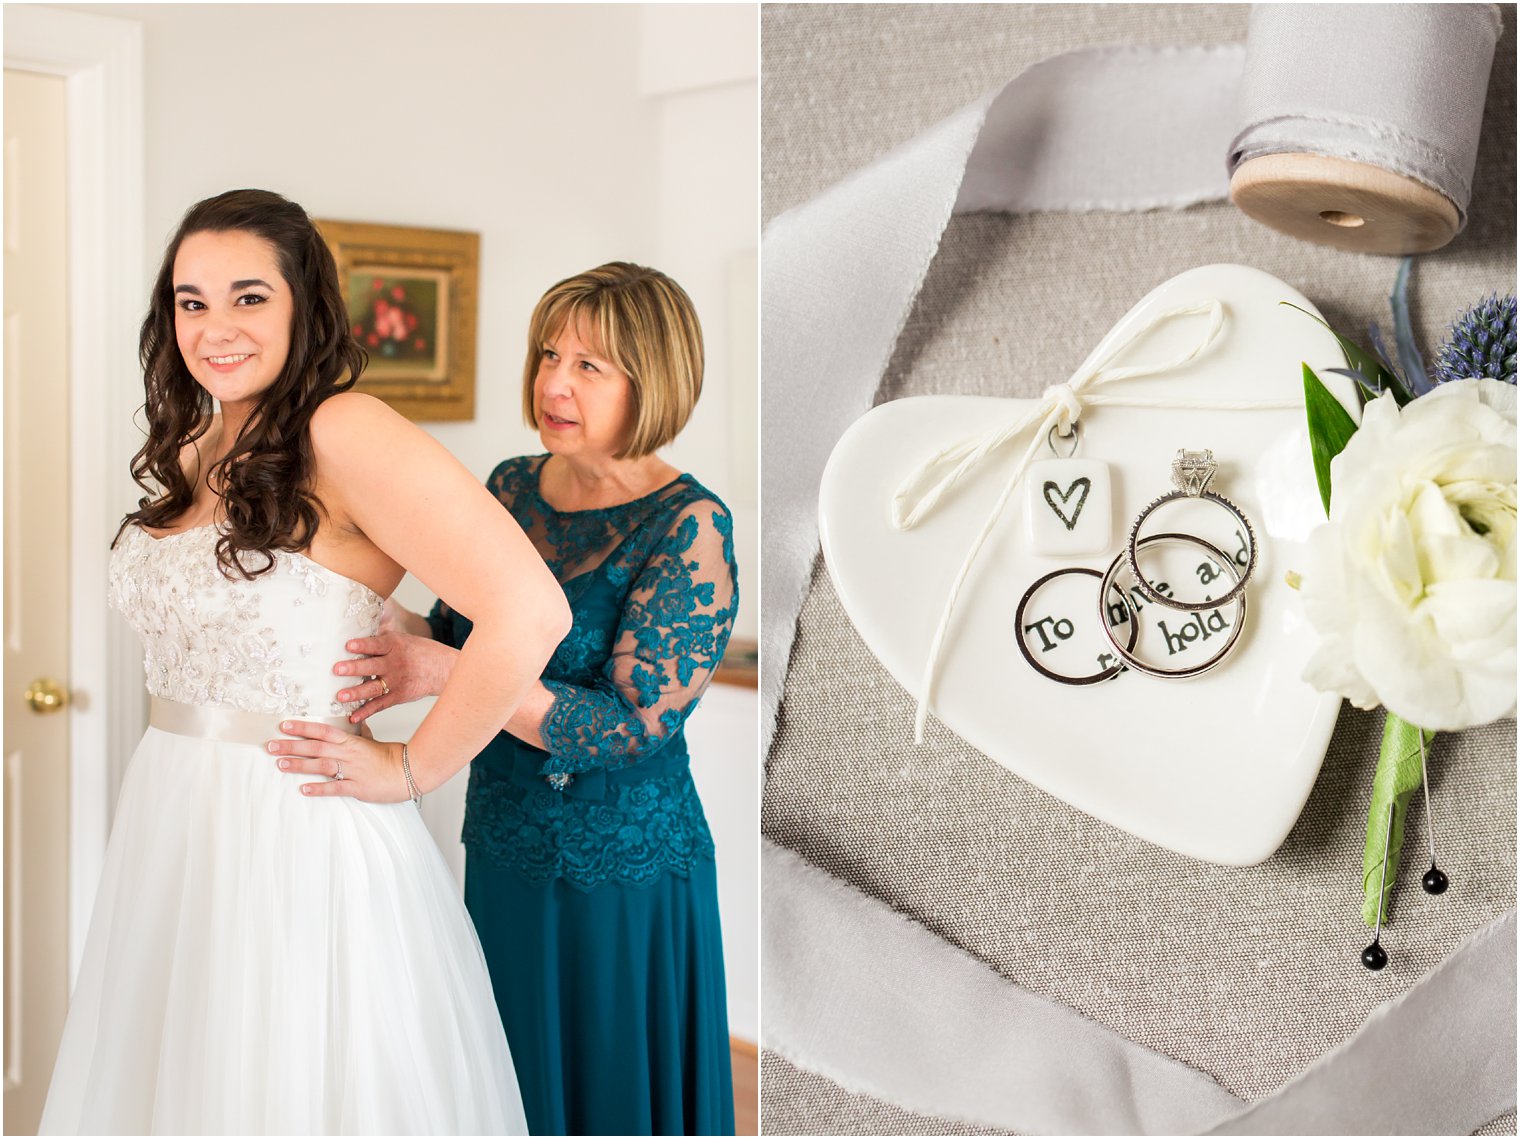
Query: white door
{"type": "Point", "coordinates": [36, 597]}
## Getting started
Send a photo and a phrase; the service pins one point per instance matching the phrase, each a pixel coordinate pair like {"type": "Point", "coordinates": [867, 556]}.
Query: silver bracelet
{"type": "Point", "coordinates": [411, 784]}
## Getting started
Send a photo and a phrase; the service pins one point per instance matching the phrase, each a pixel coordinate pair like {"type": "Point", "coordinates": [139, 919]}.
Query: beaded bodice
{"type": "Point", "coordinates": [653, 590]}
{"type": "Point", "coordinates": [265, 645]}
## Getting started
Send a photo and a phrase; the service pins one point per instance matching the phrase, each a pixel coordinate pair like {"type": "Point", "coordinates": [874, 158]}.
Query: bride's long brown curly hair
{"type": "Point", "coordinates": [265, 478]}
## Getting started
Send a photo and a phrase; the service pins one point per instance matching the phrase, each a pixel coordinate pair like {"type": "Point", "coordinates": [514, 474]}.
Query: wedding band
{"type": "Point", "coordinates": [385, 689]}
{"type": "Point", "coordinates": [339, 774]}
{"type": "Point", "coordinates": [1109, 586]}
{"type": "Point", "coordinates": [1018, 631]}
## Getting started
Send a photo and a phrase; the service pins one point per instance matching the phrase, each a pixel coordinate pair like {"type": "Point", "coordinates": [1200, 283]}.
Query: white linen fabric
{"type": "Point", "coordinates": [260, 962]}
{"type": "Point", "coordinates": [881, 1006]}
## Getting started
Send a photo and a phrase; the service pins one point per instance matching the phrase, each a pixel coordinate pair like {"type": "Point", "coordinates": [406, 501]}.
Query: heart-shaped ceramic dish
{"type": "Point", "coordinates": [1216, 767]}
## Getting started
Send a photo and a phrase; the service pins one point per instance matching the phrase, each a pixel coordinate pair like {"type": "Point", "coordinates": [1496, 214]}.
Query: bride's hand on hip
{"type": "Point", "coordinates": [359, 768]}
{"type": "Point", "coordinates": [397, 668]}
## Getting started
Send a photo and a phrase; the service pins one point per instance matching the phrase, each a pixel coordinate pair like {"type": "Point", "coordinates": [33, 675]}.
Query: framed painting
{"type": "Point", "coordinates": [412, 296]}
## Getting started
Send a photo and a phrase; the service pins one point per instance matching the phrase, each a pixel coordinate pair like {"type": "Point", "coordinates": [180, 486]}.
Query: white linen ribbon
{"type": "Point", "coordinates": [1058, 409]}
{"type": "Point", "coordinates": [1409, 99]}
{"type": "Point", "coordinates": [875, 1002]}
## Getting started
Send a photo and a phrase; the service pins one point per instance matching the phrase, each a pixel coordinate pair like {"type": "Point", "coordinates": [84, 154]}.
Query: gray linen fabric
{"type": "Point", "coordinates": [795, 1101]}
{"type": "Point", "coordinates": [798, 1102]}
{"type": "Point", "coordinates": [1246, 974]}
{"type": "Point", "coordinates": [857, 992]}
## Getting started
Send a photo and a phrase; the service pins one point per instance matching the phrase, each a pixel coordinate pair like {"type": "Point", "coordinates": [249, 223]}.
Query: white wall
{"type": "Point", "coordinates": [701, 67]}
{"type": "Point", "coordinates": [518, 122]}
{"type": "Point", "coordinates": [708, 144]}
{"type": "Point", "coordinates": [566, 136]}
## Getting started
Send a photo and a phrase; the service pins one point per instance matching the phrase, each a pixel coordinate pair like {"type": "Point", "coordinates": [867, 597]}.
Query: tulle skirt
{"type": "Point", "coordinates": [264, 963]}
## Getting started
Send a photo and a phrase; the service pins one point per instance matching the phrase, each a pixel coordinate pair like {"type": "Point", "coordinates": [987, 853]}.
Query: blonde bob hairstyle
{"type": "Point", "coordinates": [643, 323]}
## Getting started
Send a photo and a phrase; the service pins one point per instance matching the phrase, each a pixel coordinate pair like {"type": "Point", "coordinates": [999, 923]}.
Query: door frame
{"type": "Point", "coordinates": [101, 58]}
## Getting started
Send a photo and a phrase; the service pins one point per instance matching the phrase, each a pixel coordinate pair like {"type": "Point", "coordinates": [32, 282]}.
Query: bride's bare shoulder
{"type": "Point", "coordinates": [355, 418]}
{"type": "Point", "coordinates": [358, 441]}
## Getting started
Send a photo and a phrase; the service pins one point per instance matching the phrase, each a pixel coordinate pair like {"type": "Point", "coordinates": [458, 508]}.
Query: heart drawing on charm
{"type": "Point", "coordinates": [1216, 767]}
{"type": "Point", "coordinates": [1052, 491]}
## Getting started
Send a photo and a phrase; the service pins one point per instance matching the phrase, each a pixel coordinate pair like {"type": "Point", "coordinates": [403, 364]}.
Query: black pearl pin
{"type": "Point", "coordinates": [1434, 881]}
{"type": "Point", "coordinates": [1375, 956]}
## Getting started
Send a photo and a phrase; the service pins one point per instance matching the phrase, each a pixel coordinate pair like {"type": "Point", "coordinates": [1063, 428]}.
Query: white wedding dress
{"type": "Point", "coordinates": [261, 962]}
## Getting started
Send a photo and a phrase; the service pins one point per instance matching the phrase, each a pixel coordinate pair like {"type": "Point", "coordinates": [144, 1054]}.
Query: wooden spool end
{"type": "Point", "coordinates": [1350, 205]}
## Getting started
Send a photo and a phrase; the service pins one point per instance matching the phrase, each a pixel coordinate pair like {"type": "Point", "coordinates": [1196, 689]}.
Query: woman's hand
{"type": "Point", "coordinates": [354, 766]}
{"type": "Point", "coordinates": [398, 668]}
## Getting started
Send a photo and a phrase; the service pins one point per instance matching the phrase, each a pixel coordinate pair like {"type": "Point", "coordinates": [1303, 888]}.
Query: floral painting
{"type": "Point", "coordinates": [397, 317]}
{"type": "Point", "coordinates": [411, 296]}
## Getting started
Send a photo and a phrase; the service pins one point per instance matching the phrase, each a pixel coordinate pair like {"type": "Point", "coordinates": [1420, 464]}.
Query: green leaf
{"type": "Point", "coordinates": [1379, 376]}
{"type": "Point", "coordinates": [1396, 779]}
{"type": "Point", "coordinates": [1330, 426]}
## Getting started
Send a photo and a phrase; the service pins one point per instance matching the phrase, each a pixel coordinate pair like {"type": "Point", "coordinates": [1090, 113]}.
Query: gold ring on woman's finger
{"type": "Point", "coordinates": [385, 689]}
{"type": "Point", "coordinates": [339, 773]}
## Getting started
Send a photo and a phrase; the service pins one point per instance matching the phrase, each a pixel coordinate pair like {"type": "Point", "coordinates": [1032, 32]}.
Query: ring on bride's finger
{"type": "Point", "coordinates": [339, 773]}
{"type": "Point", "coordinates": [385, 689]}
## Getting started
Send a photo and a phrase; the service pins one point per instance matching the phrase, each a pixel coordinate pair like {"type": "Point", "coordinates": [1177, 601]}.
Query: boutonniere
{"type": "Point", "coordinates": [1411, 582]}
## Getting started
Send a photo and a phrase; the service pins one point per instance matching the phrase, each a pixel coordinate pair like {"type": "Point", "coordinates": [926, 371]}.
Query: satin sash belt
{"type": "Point", "coordinates": [229, 725]}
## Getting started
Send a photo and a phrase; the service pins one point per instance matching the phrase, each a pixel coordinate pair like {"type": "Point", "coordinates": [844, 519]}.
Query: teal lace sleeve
{"type": "Point", "coordinates": [674, 628]}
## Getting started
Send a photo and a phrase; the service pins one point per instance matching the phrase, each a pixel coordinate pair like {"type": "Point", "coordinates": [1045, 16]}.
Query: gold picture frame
{"type": "Point", "coordinates": [412, 296]}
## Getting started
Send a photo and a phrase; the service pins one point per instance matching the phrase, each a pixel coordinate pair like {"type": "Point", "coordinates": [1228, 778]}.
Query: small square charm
{"type": "Point", "coordinates": [1068, 507]}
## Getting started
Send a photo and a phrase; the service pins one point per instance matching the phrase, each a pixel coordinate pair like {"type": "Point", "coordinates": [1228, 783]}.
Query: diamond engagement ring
{"type": "Point", "coordinates": [385, 689]}
{"type": "Point", "coordinates": [339, 774]}
{"type": "Point", "coordinates": [1192, 471]}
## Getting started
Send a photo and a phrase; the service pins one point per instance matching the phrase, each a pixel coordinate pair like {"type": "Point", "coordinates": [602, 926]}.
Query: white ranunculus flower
{"type": "Point", "coordinates": [1411, 584]}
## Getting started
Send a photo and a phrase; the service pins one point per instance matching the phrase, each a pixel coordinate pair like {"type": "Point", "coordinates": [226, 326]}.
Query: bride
{"type": "Point", "coordinates": [258, 962]}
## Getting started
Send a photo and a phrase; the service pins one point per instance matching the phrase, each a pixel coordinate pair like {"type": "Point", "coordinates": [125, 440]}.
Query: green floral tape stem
{"type": "Point", "coordinates": [1396, 779]}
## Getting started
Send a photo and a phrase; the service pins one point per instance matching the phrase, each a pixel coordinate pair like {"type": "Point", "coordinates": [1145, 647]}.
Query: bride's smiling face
{"type": "Point", "coordinates": [232, 313]}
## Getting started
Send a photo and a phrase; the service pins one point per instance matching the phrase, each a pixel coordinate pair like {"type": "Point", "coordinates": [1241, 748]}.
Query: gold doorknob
{"type": "Point", "coordinates": [46, 695]}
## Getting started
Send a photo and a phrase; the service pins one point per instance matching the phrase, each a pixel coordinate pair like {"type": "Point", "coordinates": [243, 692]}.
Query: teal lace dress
{"type": "Point", "coordinates": [589, 871]}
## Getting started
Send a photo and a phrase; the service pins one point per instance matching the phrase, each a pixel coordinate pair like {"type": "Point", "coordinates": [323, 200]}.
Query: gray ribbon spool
{"type": "Point", "coordinates": [1361, 121]}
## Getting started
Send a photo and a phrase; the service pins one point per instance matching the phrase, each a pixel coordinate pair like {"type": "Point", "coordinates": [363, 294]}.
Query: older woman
{"type": "Point", "coordinates": [590, 871]}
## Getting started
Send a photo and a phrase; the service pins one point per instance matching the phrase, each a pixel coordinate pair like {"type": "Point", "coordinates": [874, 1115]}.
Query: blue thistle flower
{"type": "Point", "coordinates": [1480, 342]}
